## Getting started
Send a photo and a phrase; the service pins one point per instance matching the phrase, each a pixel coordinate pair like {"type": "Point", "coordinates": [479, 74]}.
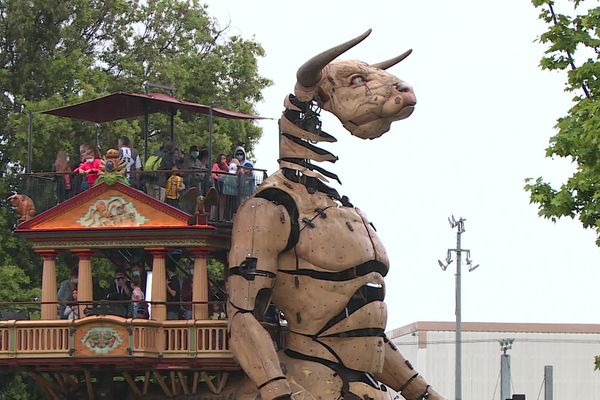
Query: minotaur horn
{"type": "Point", "coordinates": [310, 72]}
{"type": "Point", "coordinates": [392, 61]}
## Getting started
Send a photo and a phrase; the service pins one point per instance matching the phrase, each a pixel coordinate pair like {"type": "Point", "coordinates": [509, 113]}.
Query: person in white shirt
{"type": "Point", "coordinates": [133, 162]}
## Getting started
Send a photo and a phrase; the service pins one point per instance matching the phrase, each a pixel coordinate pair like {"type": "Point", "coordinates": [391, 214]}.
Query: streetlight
{"type": "Point", "coordinates": [460, 229]}
{"type": "Point", "coordinates": [505, 345]}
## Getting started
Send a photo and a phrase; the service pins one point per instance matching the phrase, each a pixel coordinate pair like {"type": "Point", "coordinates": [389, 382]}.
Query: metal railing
{"type": "Point", "coordinates": [48, 189]}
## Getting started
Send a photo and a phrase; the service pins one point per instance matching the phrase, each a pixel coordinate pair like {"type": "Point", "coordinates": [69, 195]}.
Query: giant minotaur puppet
{"type": "Point", "coordinates": [300, 245]}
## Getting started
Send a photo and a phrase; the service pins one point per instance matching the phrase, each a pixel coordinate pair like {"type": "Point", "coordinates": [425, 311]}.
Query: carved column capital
{"type": "Point", "coordinates": [47, 254]}
{"type": "Point", "coordinates": [157, 252]}
{"type": "Point", "coordinates": [200, 251]}
{"type": "Point", "coordinates": [83, 254]}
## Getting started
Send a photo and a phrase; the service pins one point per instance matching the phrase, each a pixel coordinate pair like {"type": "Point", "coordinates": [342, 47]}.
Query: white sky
{"type": "Point", "coordinates": [484, 116]}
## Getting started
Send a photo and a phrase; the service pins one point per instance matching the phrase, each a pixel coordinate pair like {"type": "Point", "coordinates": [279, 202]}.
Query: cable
{"type": "Point", "coordinates": [497, 382]}
{"type": "Point", "coordinates": [512, 384]}
{"type": "Point", "coordinates": [541, 387]}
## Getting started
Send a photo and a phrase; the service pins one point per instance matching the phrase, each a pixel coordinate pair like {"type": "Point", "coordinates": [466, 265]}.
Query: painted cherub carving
{"type": "Point", "coordinates": [300, 245]}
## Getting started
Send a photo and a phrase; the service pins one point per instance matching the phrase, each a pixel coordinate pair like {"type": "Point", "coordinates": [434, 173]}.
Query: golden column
{"type": "Point", "coordinates": [84, 276]}
{"type": "Point", "coordinates": [200, 284]}
{"type": "Point", "coordinates": [159, 284]}
{"type": "Point", "coordinates": [49, 284]}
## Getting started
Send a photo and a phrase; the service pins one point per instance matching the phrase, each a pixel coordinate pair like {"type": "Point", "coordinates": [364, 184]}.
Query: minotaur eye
{"type": "Point", "coordinates": [357, 80]}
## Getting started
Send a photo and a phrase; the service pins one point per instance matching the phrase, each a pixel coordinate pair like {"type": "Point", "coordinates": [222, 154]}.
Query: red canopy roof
{"type": "Point", "coordinates": [128, 105]}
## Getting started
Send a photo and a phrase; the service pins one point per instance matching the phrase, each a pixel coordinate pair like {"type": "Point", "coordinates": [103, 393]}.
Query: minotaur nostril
{"type": "Point", "coordinates": [403, 87]}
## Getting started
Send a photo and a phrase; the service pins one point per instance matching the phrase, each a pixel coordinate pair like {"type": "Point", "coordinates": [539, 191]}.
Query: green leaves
{"type": "Point", "coordinates": [578, 136]}
{"type": "Point", "coordinates": [16, 285]}
{"type": "Point", "coordinates": [57, 54]}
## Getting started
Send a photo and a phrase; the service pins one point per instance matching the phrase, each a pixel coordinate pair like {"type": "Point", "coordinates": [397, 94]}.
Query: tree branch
{"type": "Point", "coordinates": [569, 56]}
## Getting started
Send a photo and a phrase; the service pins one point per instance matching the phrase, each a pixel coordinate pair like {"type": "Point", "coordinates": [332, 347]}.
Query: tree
{"type": "Point", "coordinates": [52, 55]}
{"type": "Point", "coordinates": [58, 53]}
{"type": "Point", "coordinates": [578, 136]}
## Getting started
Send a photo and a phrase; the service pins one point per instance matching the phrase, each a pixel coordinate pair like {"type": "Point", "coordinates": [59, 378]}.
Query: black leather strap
{"type": "Point", "coordinates": [280, 197]}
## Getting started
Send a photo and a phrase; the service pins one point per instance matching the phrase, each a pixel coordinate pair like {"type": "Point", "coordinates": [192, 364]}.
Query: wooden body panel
{"type": "Point", "coordinates": [321, 300]}
{"type": "Point", "coordinates": [372, 315]}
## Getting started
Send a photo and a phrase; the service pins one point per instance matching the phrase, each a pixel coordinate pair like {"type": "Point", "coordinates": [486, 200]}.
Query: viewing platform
{"type": "Point", "coordinates": [105, 352]}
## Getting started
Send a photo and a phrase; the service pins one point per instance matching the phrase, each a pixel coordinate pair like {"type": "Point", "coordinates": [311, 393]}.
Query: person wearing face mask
{"type": "Point", "coordinates": [240, 155]}
{"type": "Point", "coordinates": [90, 166]}
{"type": "Point", "coordinates": [192, 162]}
{"type": "Point", "coordinates": [247, 183]}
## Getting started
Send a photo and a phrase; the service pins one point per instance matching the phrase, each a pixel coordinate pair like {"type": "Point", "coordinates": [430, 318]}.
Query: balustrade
{"type": "Point", "coordinates": [144, 338]}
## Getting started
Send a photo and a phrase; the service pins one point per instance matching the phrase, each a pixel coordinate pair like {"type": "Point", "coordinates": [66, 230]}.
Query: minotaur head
{"type": "Point", "coordinates": [364, 97]}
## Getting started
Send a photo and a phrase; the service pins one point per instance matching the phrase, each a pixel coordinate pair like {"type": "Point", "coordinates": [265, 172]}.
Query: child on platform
{"type": "Point", "coordinates": [173, 187]}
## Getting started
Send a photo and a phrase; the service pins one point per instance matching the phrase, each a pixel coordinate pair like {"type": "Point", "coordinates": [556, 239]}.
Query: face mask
{"type": "Point", "coordinates": [89, 160]}
{"type": "Point", "coordinates": [75, 281]}
{"type": "Point", "coordinates": [240, 157]}
{"type": "Point", "coordinates": [194, 154]}
{"type": "Point", "coordinates": [136, 273]}
{"type": "Point", "coordinates": [68, 159]}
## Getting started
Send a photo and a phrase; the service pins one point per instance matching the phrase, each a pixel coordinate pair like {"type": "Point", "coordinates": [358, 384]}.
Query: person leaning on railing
{"type": "Point", "coordinates": [173, 293]}
{"type": "Point", "coordinates": [192, 162]}
{"type": "Point", "coordinates": [65, 292]}
{"type": "Point", "coordinates": [90, 168]}
{"type": "Point", "coordinates": [217, 169]}
{"type": "Point", "coordinates": [139, 308]}
{"type": "Point", "coordinates": [72, 309]}
{"type": "Point", "coordinates": [63, 177]}
{"type": "Point", "coordinates": [133, 161]}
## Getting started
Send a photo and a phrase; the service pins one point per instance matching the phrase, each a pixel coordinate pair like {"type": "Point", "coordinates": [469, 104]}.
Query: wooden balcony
{"type": "Point", "coordinates": [97, 340]}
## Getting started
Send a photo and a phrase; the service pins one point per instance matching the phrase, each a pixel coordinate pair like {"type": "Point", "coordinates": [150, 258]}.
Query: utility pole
{"type": "Point", "coordinates": [505, 345]}
{"type": "Point", "coordinates": [548, 382]}
{"type": "Point", "coordinates": [460, 229]}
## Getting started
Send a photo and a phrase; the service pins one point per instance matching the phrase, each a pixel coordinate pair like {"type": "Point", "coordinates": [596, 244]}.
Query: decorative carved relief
{"type": "Point", "coordinates": [113, 211]}
{"type": "Point", "coordinates": [101, 339]}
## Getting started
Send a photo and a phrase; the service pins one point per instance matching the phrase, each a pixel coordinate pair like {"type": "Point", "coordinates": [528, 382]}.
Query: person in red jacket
{"type": "Point", "coordinates": [90, 165]}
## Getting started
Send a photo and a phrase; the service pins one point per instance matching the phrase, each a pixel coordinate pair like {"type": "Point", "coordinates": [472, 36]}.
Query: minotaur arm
{"type": "Point", "coordinates": [261, 232]}
{"type": "Point", "coordinates": [400, 375]}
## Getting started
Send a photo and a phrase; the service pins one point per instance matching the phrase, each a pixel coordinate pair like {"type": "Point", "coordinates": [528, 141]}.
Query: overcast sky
{"type": "Point", "coordinates": [484, 117]}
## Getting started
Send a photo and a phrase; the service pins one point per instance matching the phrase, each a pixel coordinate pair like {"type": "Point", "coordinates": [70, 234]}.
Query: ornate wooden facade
{"type": "Point", "coordinates": [102, 355]}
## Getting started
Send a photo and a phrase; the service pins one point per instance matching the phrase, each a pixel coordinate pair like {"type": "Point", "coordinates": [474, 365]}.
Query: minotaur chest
{"type": "Point", "coordinates": [337, 238]}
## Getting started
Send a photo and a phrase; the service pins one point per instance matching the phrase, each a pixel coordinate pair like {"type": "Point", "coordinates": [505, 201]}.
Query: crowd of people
{"type": "Point", "coordinates": [125, 296]}
{"type": "Point", "coordinates": [169, 175]}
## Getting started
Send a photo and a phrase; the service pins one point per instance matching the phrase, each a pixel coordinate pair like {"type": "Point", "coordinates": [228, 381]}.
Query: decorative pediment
{"type": "Point", "coordinates": [108, 207]}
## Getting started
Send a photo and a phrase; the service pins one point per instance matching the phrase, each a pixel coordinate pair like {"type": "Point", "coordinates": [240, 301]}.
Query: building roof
{"type": "Point", "coordinates": [429, 326]}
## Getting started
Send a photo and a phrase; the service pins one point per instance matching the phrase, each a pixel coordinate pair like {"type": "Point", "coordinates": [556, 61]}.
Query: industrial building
{"type": "Point", "coordinates": [568, 348]}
